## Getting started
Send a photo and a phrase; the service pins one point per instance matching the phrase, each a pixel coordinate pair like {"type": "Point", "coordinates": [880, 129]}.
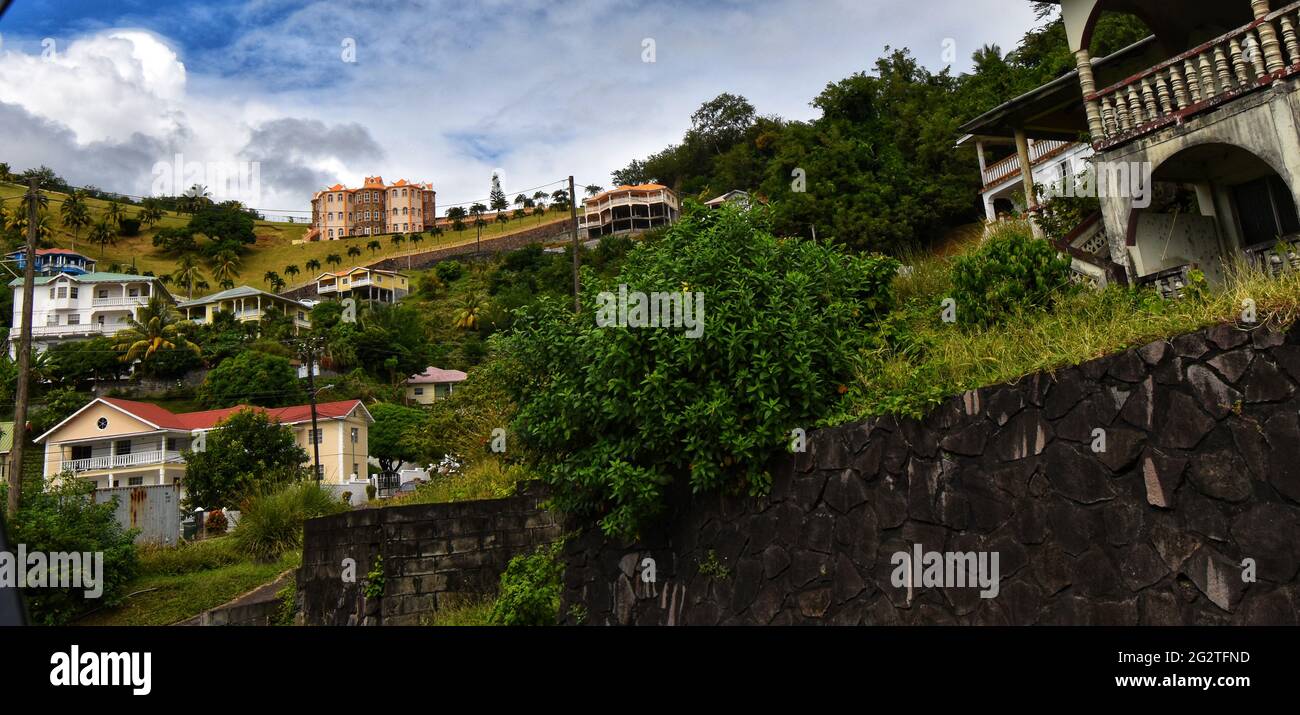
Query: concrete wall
{"type": "Point", "coordinates": [433, 555]}
{"type": "Point", "coordinates": [1199, 471]}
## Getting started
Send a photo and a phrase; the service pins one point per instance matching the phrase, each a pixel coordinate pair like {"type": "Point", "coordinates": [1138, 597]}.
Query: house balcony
{"type": "Point", "coordinates": [135, 459]}
{"type": "Point", "coordinates": [1039, 152]}
{"type": "Point", "coordinates": [120, 301]}
{"type": "Point", "coordinates": [1198, 81]}
{"type": "Point", "coordinates": [78, 329]}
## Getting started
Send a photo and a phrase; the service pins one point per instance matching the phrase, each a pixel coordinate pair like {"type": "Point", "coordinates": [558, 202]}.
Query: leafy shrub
{"type": "Point", "coordinates": [1060, 214]}
{"type": "Point", "coordinates": [449, 271]}
{"type": "Point", "coordinates": [251, 377]}
{"type": "Point", "coordinates": [485, 479]}
{"type": "Point", "coordinates": [617, 415]}
{"type": "Point", "coordinates": [215, 522]}
{"type": "Point", "coordinates": [287, 599]}
{"type": "Point", "coordinates": [63, 517]}
{"type": "Point", "coordinates": [271, 524]}
{"type": "Point", "coordinates": [129, 227]}
{"type": "Point", "coordinates": [530, 589]}
{"type": "Point", "coordinates": [1012, 271]}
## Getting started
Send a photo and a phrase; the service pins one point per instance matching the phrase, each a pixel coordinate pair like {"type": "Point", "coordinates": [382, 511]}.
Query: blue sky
{"type": "Point", "coordinates": [439, 91]}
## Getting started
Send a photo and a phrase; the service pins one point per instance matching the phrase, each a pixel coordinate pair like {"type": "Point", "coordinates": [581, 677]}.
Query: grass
{"type": "Point", "coordinates": [166, 598]}
{"type": "Point", "coordinates": [273, 250]}
{"type": "Point", "coordinates": [484, 479]}
{"type": "Point", "coordinates": [470, 613]}
{"type": "Point", "coordinates": [934, 360]}
{"type": "Point", "coordinates": [189, 557]}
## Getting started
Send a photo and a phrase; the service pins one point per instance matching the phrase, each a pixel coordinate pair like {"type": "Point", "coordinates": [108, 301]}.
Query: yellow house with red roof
{"type": "Point", "coordinates": [121, 443]}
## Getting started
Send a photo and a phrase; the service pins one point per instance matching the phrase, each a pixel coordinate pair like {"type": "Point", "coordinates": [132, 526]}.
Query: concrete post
{"type": "Point", "coordinates": [1088, 83]}
{"type": "Point", "coordinates": [1268, 37]}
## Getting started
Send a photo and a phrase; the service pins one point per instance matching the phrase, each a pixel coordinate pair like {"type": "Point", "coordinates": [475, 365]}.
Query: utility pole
{"type": "Point", "coordinates": [310, 344]}
{"type": "Point", "coordinates": [24, 354]}
{"type": "Point", "coordinates": [573, 216]}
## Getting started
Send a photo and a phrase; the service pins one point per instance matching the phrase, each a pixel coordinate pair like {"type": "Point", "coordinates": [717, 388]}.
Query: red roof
{"type": "Point", "coordinates": [207, 419]}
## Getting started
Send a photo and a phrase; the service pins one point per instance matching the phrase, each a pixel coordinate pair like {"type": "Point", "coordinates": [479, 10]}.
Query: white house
{"type": "Point", "coordinates": [67, 307]}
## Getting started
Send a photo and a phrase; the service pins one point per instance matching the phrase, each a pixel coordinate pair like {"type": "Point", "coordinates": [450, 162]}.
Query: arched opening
{"type": "Point", "coordinates": [1208, 205]}
{"type": "Point", "coordinates": [1003, 207]}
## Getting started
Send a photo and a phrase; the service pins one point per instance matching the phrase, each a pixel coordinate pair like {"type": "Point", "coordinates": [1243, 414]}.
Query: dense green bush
{"type": "Point", "coordinates": [616, 415]}
{"type": "Point", "coordinates": [63, 517]}
{"type": "Point", "coordinates": [449, 271]}
{"type": "Point", "coordinates": [1012, 271]}
{"type": "Point", "coordinates": [271, 524]}
{"type": "Point", "coordinates": [251, 377]}
{"type": "Point", "coordinates": [530, 589]}
{"type": "Point", "coordinates": [248, 454]}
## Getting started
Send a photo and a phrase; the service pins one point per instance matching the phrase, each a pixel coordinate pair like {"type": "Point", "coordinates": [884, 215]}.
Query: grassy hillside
{"type": "Point", "coordinates": [273, 251]}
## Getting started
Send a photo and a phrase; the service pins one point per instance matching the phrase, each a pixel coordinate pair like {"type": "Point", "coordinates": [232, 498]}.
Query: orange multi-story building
{"type": "Point", "coordinates": [374, 208]}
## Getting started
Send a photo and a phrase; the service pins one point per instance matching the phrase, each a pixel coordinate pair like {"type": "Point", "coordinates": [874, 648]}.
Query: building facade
{"type": "Point", "coordinates": [68, 308]}
{"type": "Point", "coordinates": [629, 209]}
{"type": "Point", "coordinates": [432, 384]}
{"type": "Point", "coordinates": [361, 283]}
{"type": "Point", "coordinates": [52, 261]}
{"type": "Point", "coordinates": [248, 305]}
{"type": "Point", "coordinates": [374, 208]}
{"type": "Point", "coordinates": [121, 443]}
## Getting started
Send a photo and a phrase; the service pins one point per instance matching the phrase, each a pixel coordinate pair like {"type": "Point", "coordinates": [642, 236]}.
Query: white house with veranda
{"type": "Point", "coordinates": [69, 307]}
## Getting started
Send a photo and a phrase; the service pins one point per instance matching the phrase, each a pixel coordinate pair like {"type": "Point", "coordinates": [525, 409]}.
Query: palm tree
{"type": "Point", "coordinates": [103, 234]}
{"type": "Point", "coordinates": [225, 285]}
{"type": "Point", "coordinates": [457, 215]}
{"type": "Point", "coordinates": [593, 189]}
{"type": "Point", "coordinates": [476, 212]}
{"type": "Point", "coordinates": [469, 312]}
{"type": "Point", "coordinates": [334, 259]}
{"type": "Point", "coordinates": [225, 266]}
{"type": "Point", "coordinates": [201, 286]}
{"type": "Point", "coordinates": [312, 264]}
{"type": "Point", "coordinates": [187, 273]}
{"type": "Point", "coordinates": [415, 239]}
{"type": "Point", "coordinates": [75, 214]}
{"type": "Point", "coordinates": [520, 200]}
{"type": "Point", "coordinates": [196, 197]}
{"type": "Point", "coordinates": [436, 232]}
{"type": "Point", "coordinates": [291, 270]}
{"type": "Point", "coordinates": [277, 283]}
{"type": "Point", "coordinates": [503, 218]}
{"type": "Point", "coordinates": [165, 279]}
{"type": "Point", "coordinates": [354, 251]}
{"type": "Point", "coordinates": [114, 213]}
{"type": "Point", "coordinates": [520, 213]}
{"type": "Point", "coordinates": [374, 245]}
{"type": "Point", "coordinates": [271, 277]}
{"type": "Point", "coordinates": [151, 212]}
{"type": "Point", "coordinates": [397, 240]}
{"type": "Point", "coordinates": [156, 327]}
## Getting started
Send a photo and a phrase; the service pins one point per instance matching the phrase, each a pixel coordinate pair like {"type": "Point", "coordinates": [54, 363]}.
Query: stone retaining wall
{"type": "Point", "coordinates": [1197, 482]}
{"type": "Point", "coordinates": [433, 555]}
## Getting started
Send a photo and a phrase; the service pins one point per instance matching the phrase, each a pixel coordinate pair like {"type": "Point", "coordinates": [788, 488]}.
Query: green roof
{"type": "Point", "coordinates": [97, 277]}
{"type": "Point", "coordinates": [237, 292]}
{"type": "Point", "coordinates": [6, 437]}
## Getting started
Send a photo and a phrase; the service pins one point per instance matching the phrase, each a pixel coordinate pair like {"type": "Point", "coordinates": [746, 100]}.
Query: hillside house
{"type": "Point", "coordinates": [1197, 150]}
{"type": "Point", "coordinates": [52, 261]}
{"type": "Point", "coordinates": [247, 304]}
{"type": "Point", "coordinates": [628, 210]}
{"type": "Point", "coordinates": [361, 283]}
{"type": "Point", "coordinates": [69, 307]}
{"type": "Point", "coordinates": [432, 384]}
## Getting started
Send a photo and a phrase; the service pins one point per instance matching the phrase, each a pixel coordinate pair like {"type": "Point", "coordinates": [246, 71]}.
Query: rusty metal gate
{"type": "Point", "coordinates": [154, 510]}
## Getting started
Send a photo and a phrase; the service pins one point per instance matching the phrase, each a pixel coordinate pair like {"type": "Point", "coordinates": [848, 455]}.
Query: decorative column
{"type": "Point", "coordinates": [1089, 85]}
{"type": "Point", "coordinates": [1027, 178]}
{"type": "Point", "coordinates": [1268, 37]}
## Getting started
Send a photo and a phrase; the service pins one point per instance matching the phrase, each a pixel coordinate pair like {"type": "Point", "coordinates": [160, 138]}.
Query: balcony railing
{"type": "Point", "coordinates": [1170, 283]}
{"type": "Point", "coordinates": [119, 300]}
{"type": "Point", "coordinates": [76, 329]}
{"type": "Point", "coordinates": [135, 459]}
{"type": "Point", "coordinates": [1200, 79]}
{"type": "Point", "coordinates": [1274, 258]}
{"type": "Point", "coordinates": [1039, 151]}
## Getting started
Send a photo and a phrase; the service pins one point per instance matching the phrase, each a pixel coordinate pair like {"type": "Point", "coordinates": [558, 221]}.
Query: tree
{"type": "Point", "coordinates": [270, 277]}
{"type": "Point", "coordinates": [75, 214]}
{"type": "Point", "coordinates": [187, 273]}
{"type": "Point", "coordinates": [374, 245]}
{"type": "Point", "coordinates": [312, 264]}
{"type": "Point", "coordinates": [594, 189]}
{"type": "Point", "coordinates": [291, 270]}
{"type": "Point", "coordinates": [457, 215]}
{"type": "Point", "coordinates": [196, 198]}
{"type": "Point", "coordinates": [151, 212]}
{"type": "Point", "coordinates": [469, 312]}
{"type": "Point", "coordinates": [103, 234]}
{"type": "Point", "coordinates": [415, 239]}
{"type": "Point", "coordinates": [633, 174]}
{"type": "Point", "coordinates": [245, 454]}
{"type": "Point", "coordinates": [497, 197]}
{"type": "Point", "coordinates": [391, 437]}
{"type": "Point", "coordinates": [156, 328]}
{"type": "Point", "coordinates": [334, 259]}
{"type": "Point", "coordinates": [560, 199]}
{"type": "Point", "coordinates": [225, 266]}
{"type": "Point", "coordinates": [225, 223]}
{"type": "Point", "coordinates": [521, 201]}
{"type": "Point", "coordinates": [79, 363]}
{"type": "Point", "coordinates": [114, 213]}
{"type": "Point", "coordinates": [251, 377]}
{"type": "Point", "coordinates": [720, 122]}
{"type": "Point", "coordinates": [354, 251]}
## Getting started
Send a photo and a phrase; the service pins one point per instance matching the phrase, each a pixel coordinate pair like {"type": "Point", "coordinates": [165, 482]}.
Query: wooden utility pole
{"type": "Point", "coordinates": [311, 392]}
{"type": "Point", "coordinates": [573, 216]}
{"type": "Point", "coordinates": [24, 354]}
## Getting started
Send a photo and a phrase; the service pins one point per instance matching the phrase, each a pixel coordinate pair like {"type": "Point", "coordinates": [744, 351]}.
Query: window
{"type": "Point", "coordinates": [403, 210]}
{"type": "Point", "coordinates": [133, 292]}
{"type": "Point", "coordinates": [419, 391]}
{"type": "Point", "coordinates": [102, 294]}
{"type": "Point", "coordinates": [144, 289]}
{"type": "Point", "coordinates": [355, 435]}
{"type": "Point", "coordinates": [74, 292]}
{"type": "Point", "coordinates": [173, 444]}
{"type": "Point", "coordinates": [135, 481]}
{"type": "Point", "coordinates": [63, 291]}
{"type": "Point", "coordinates": [51, 320]}
{"type": "Point", "coordinates": [302, 315]}
{"type": "Point", "coordinates": [354, 468]}
{"type": "Point", "coordinates": [331, 233]}
{"type": "Point", "coordinates": [122, 446]}
{"type": "Point", "coordinates": [102, 423]}
{"type": "Point", "coordinates": [52, 293]}
{"type": "Point", "coordinates": [82, 451]}
{"type": "Point", "coordinates": [315, 435]}
{"type": "Point", "coordinates": [329, 198]}
{"type": "Point", "coordinates": [74, 319]}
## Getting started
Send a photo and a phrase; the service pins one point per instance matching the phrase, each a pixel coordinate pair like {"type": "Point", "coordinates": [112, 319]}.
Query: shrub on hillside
{"type": "Point", "coordinates": [270, 524]}
{"type": "Point", "coordinates": [616, 415]}
{"type": "Point", "coordinates": [251, 377]}
{"type": "Point", "coordinates": [1011, 271]}
{"type": "Point", "coordinates": [64, 518]}
{"type": "Point", "coordinates": [449, 271]}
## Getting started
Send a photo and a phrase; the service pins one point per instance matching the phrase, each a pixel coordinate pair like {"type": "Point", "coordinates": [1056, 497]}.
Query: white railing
{"type": "Point", "coordinates": [76, 329]}
{"type": "Point", "coordinates": [1006, 168]}
{"type": "Point", "coordinates": [119, 300]}
{"type": "Point", "coordinates": [1198, 80]}
{"type": "Point", "coordinates": [135, 459]}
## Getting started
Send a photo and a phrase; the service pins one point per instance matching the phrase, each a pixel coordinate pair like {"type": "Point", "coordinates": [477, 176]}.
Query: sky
{"type": "Point", "coordinates": [267, 101]}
